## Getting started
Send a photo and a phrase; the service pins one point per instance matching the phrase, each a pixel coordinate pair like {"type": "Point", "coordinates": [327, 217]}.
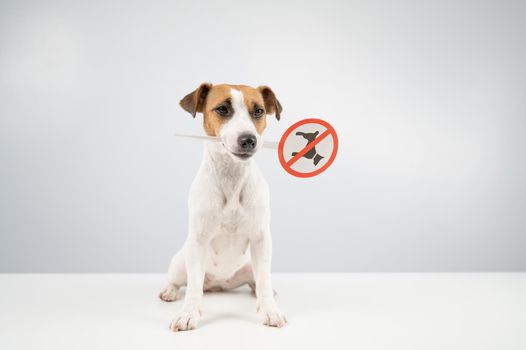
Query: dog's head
{"type": "Point", "coordinates": [234, 113]}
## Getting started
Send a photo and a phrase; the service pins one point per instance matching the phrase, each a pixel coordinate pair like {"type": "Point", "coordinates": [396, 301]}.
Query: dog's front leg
{"type": "Point", "coordinates": [261, 253]}
{"type": "Point", "coordinates": [195, 269]}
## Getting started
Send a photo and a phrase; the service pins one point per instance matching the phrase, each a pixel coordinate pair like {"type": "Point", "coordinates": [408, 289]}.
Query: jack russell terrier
{"type": "Point", "coordinates": [228, 243]}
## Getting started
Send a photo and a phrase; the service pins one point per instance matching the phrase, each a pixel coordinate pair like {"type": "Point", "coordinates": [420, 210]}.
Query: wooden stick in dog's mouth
{"type": "Point", "coordinates": [266, 144]}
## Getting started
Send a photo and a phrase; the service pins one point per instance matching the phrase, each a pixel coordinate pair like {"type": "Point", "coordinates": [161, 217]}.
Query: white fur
{"type": "Point", "coordinates": [229, 242]}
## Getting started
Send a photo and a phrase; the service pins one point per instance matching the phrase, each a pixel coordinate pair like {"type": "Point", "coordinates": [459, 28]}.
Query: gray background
{"type": "Point", "coordinates": [428, 98]}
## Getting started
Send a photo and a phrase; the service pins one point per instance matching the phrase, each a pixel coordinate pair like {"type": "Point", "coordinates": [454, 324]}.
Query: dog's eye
{"type": "Point", "coordinates": [222, 111]}
{"type": "Point", "coordinates": [258, 112]}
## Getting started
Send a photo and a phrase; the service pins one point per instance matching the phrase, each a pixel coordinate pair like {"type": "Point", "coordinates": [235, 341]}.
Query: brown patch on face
{"type": "Point", "coordinates": [213, 121]}
{"type": "Point", "coordinates": [207, 97]}
{"type": "Point", "coordinates": [260, 124]}
{"type": "Point", "coordinates": [253, 99]}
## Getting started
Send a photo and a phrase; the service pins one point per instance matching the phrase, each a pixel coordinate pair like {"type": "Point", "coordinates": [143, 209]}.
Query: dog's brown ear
{"type": "Point", "coordinates": [272, 105]}
{"type": "Point", "coordinates": [194, 102]}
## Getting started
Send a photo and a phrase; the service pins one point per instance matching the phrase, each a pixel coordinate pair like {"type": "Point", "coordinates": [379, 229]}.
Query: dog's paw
{"type": "Point", "coordinates": [185, 322]}
{"type": "Point", "coordinates": [272, 316]}
{"type": "Point", "coordinates": [170, 293]}
{"type": "Point", "coordinates": [275, 319]}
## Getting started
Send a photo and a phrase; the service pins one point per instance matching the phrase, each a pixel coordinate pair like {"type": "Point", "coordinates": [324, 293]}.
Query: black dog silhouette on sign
{"type": "Point", "coordinates": [311, 154]}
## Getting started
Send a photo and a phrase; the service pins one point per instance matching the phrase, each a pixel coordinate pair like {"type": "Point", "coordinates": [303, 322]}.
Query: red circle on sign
{"type": "Point", "coordinates": [288, 167]}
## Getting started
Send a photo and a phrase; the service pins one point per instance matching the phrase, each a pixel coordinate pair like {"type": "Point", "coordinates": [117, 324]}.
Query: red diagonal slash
{"type": "Point", "coordinates": [308, 147]}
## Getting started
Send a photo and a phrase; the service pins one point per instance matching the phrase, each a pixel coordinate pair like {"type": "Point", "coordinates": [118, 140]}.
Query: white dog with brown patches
{"type": "Point", "coordinates": [229, 242]}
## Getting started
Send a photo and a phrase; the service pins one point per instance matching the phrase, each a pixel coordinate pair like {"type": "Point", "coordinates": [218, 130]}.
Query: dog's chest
{"type": "Point", "coordinates": [232, 236]}
{"type": "Point", "coordinates": [233, 216]}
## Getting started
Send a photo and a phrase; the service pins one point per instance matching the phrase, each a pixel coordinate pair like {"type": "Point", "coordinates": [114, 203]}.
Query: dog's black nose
{"type": "Point", "coordinates": [247, 142]}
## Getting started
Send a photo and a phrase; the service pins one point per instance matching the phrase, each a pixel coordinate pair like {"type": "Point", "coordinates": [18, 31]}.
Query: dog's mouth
{"type": "Point", "coordinates": [242, 156]}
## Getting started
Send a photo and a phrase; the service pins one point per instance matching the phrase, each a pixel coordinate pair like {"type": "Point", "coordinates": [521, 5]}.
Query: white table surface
{"type": "Point", "coordinates": [325, 311]}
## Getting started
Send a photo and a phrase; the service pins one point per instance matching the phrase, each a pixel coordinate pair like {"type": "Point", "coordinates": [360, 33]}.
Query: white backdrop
{"type": "Point", "coordinates": [428, 98]}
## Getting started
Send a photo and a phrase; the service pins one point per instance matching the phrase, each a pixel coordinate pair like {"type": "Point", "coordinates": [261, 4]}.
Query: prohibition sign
{"type": "Point", "coordinates": [319, 133]}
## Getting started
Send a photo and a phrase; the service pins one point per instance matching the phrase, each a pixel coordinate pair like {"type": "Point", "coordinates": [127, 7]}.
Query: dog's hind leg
{"type": "Point", "coordinates": [176, 279]}
{"type": "Point", "coordinates": [317, 159]}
